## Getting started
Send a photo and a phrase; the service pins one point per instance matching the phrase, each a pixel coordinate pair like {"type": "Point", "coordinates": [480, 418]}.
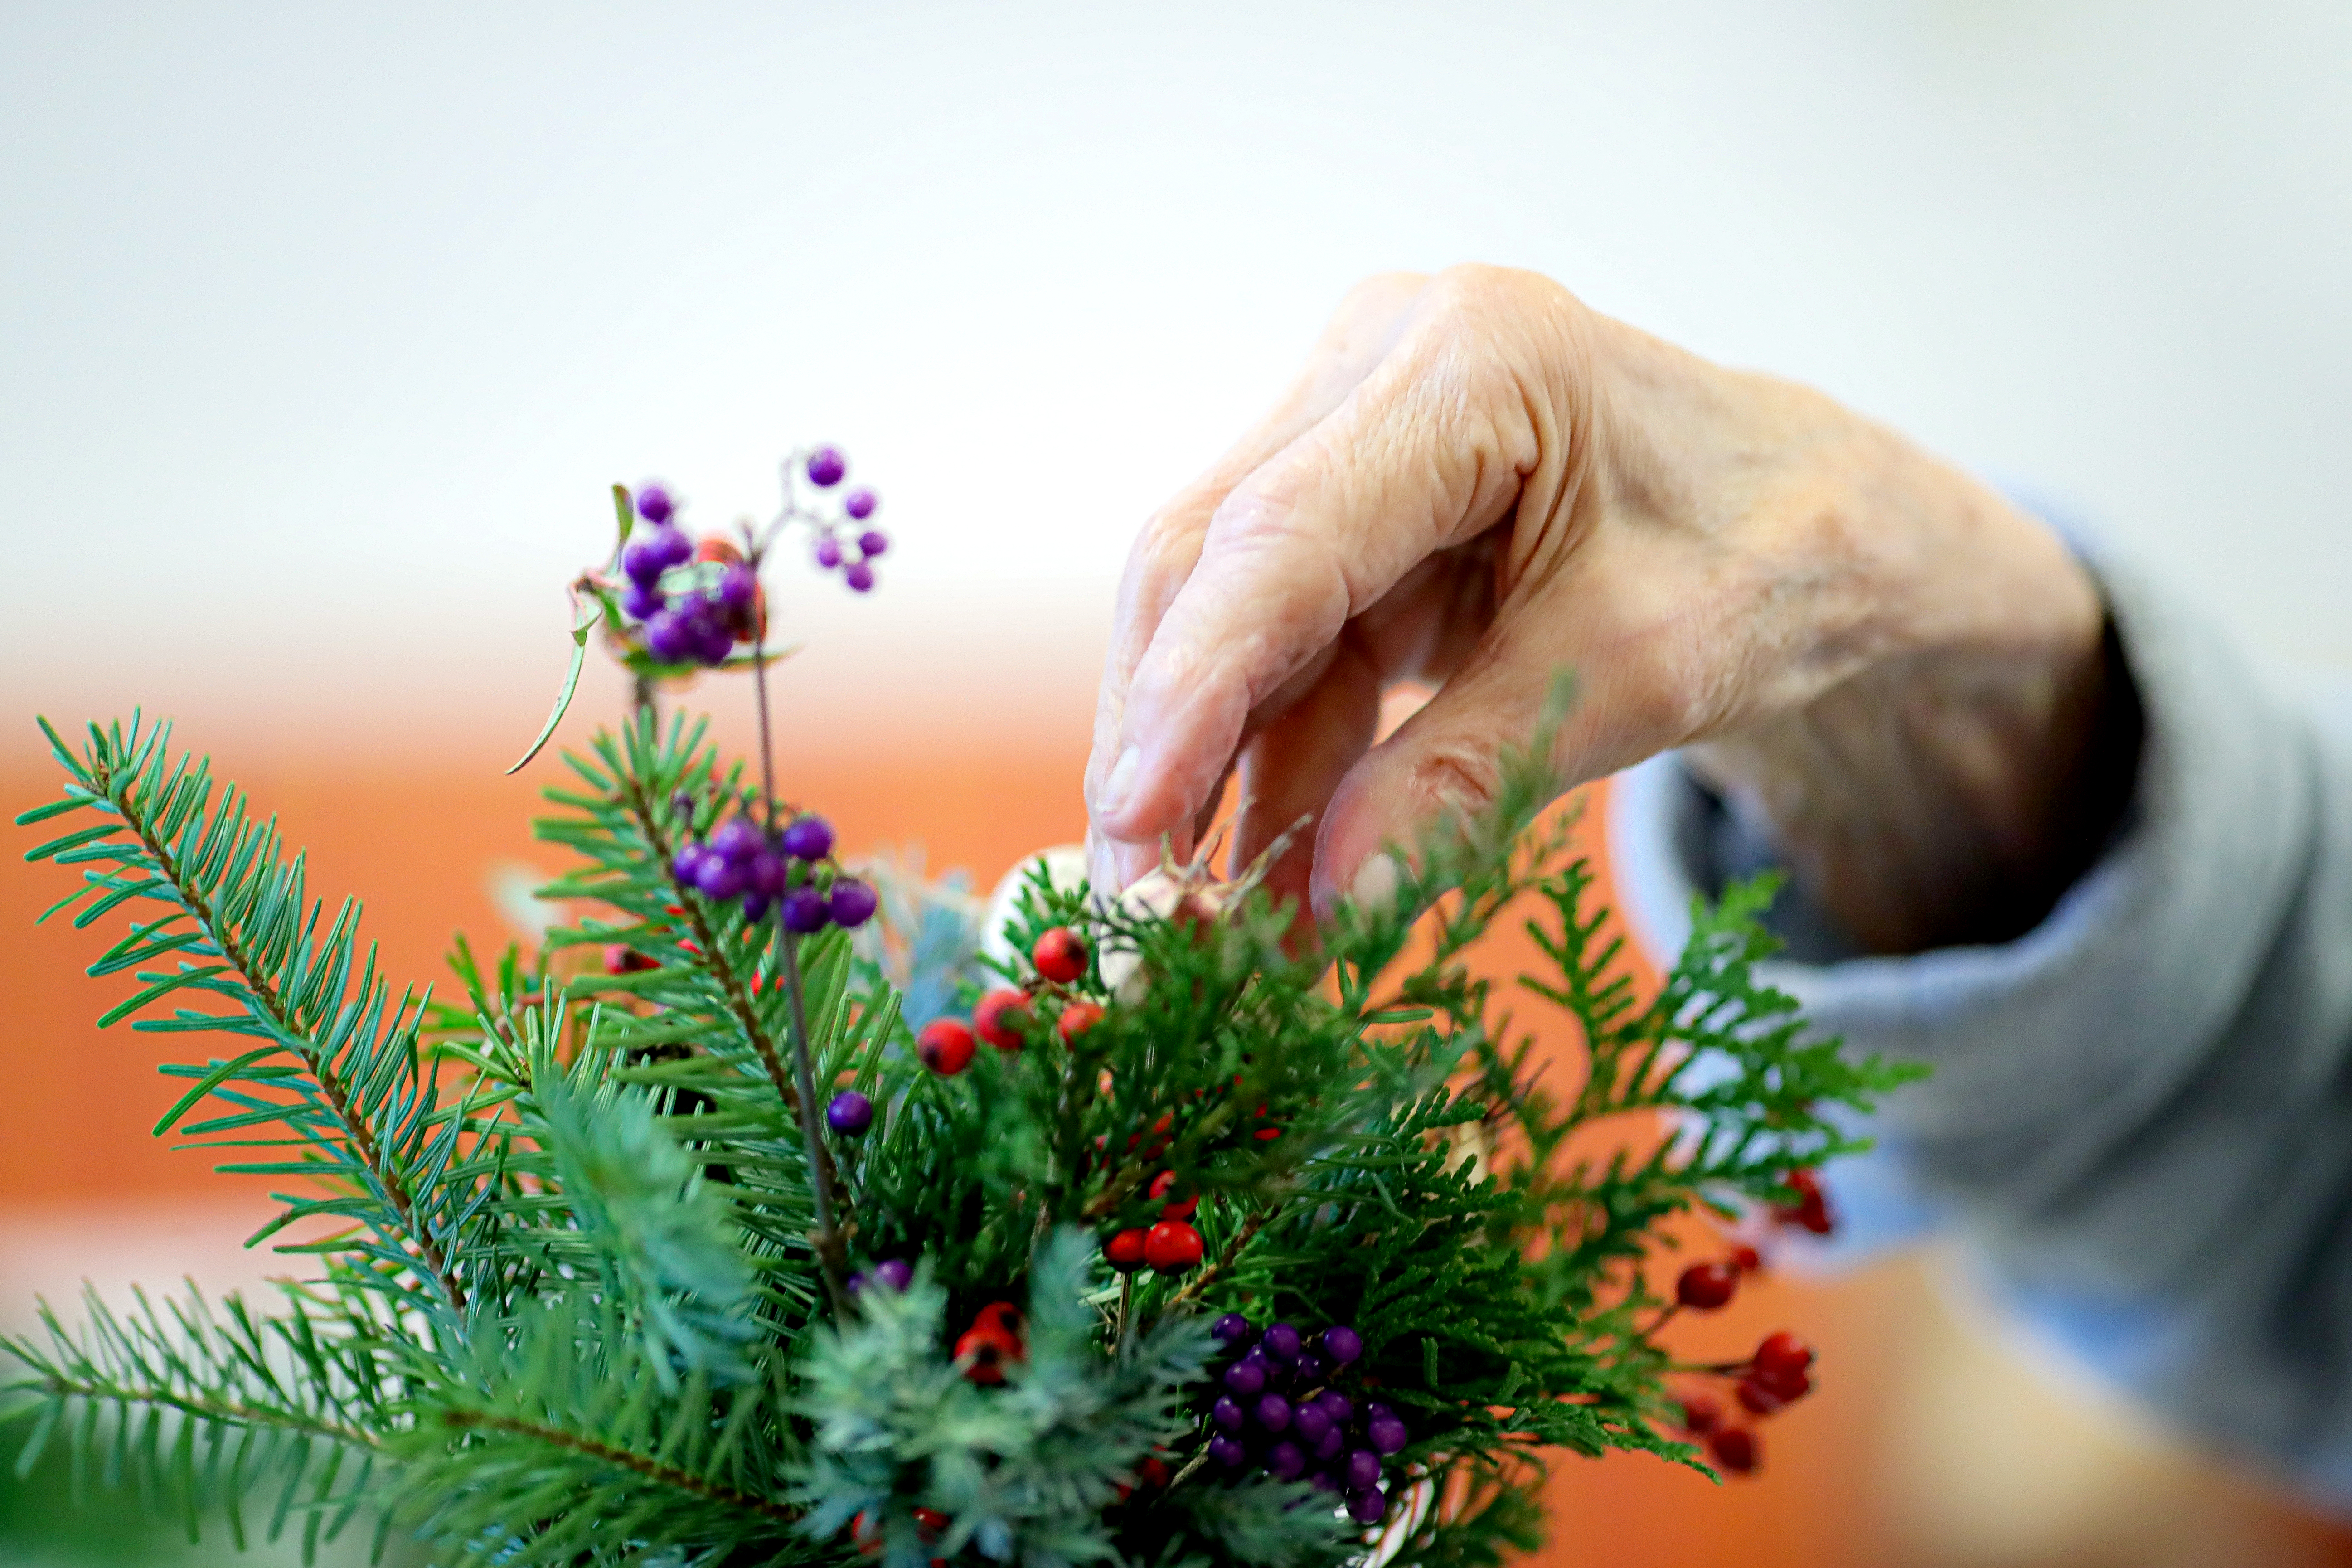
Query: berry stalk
{"type": "Point", "coordinates": [830, 1255]}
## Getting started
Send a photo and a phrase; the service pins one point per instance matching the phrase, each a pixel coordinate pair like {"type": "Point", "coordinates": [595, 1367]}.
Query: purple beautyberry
{"type": "Point", "coordinates": [670, 637]}
{"type": "Point", "coordinates": [720, 877]}
{"type": "Point", "coordinates": [807, 837]}
{"type": "Point", "coordinates": [859, 576]}
{"type": "Point", "coordinates": [895, 1272]}
{"type": "Point", "coordinates": [770, 874]}
{"type": "Point", "coordinates": [1227, 1413]}
{"type": "Point", "coordinates": [643, 601]}
{"type": "Point", "coordinates": [828, 552]}
{"type": "Point", "coordinates": [1273, 1412]}
{"type": "Point", "coordinates": [852, 904]}
{"type": "Point", "coordinates": [646, 558]}
{"type": "Point", "coordinates": [1322, 1482]}
{"type": "Point", "coordinates": [1231, 1327]}
{"type": "Point", "coordinates": [687, 865]}
{"type": "Point", "coordinates": [873, 542]}
{"type": "Point", "coordinates": [1359, 1469]}
{"type": "Point", "coordinates": [1326, 1447]}
{"type": "Point", "coordinates": [805, 911]}
{"type": "Point", "coordinates": [713, 638]}
{"type": "Point", "coordinates": [1336, 1405]}
{"type": "Point", "coordinates": [755, 905]}
{"type": "Point", "coordinates": [1281, 1342]}
{"type": "Point", "coordinates": [825, 467]}
{"type": "Point", "coordinates": [855, 1282]}
{"type": "Point", "coordinates": [1228, 1451]}
{"type": "Point", "coordinates": [1285, 1461]}
{"type": "Point", "coordinates": [1246, 1378]}
{"type": "Point", "coordinates": [738, 585]}
{"type": "Point", "coordinates": [1387, 1433]}
{"type": "Point", "coordinates": [738, 838]}
{"type": "Point", "coordinates": [860, 503]}
{"type": "Point", "coordinates": [1368, 1506]}
{"type": "Point", "coordinates": [850, 1114]}
{"type": "Point", "coordinates": [1310, 1367]}
{"type": "Point", "coordinates": [1308, 1424]}
{"type": "Point", "coordinates": [1342, 1344]}
{"type": "Point", "coordinates": [655, 505]}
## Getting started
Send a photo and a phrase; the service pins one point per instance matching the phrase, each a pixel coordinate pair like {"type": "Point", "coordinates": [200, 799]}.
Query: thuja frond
{"type": "Point", "coordinates": [208, 1411]}
{"type": "Point", "coordinates": [331, 1077]}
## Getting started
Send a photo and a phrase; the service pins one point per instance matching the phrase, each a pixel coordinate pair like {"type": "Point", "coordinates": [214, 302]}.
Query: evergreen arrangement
{"type": "Point", "coordinates": [760, 1216]}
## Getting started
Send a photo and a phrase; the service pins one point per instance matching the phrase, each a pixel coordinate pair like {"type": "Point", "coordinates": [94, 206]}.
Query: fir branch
{"type": "Point", "coordinates": [651, 1468]}
{"type": "Point", "coordinates": [214, 866]}
{"type": "Point", "coordinates": [732, 984]}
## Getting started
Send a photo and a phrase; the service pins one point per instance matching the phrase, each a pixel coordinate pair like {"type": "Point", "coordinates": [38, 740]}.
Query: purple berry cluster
{"type": "Point", "coordinates": [689, 616]}
{"type": "Point", "coordinates": [1276, 1410]}
{"type": "Point", "coordinates": [794, 874]}
{"type": "Point", "coordinates": [837, 550]}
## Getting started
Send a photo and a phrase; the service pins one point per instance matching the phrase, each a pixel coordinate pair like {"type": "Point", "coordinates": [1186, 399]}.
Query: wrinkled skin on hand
{"type": "Point", "coordinates": [1478, 483]}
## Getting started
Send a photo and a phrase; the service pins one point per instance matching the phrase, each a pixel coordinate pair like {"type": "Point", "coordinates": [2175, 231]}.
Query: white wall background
{"type": "Point", "coordinates": [322, 328]}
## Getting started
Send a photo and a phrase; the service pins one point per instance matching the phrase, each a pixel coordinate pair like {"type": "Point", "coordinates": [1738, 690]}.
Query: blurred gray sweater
{"type": "Point", "coordinates": [2141, 1111]}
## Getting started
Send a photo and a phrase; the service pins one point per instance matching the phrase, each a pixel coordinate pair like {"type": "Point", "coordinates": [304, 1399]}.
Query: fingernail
{"type": "Point", "coordinates": [1116, 785]}
{"type": "Point", "coordinates": [1375, 887]}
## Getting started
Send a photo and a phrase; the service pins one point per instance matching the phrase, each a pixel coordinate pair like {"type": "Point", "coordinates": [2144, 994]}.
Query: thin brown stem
{"type": "Point", "coordinates": [1215, 1271]}
{"type": "Point", "coordinates": [831, 1255]}
{"type": "Point", "coordinates": [735, 986]}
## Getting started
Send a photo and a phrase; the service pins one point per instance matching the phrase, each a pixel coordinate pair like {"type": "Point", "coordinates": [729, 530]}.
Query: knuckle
{"type": "Point", "coordinates": [1456, 777]}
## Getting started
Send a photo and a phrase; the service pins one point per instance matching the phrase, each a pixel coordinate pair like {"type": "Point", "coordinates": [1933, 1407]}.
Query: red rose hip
{"type": "Point", "coordinates": [1060, 956]}
{"type": "Point", "coordinates": [945, 1047]}
{"type": "Point", "coordinates": [1707, 1286]}
{"type": "Point", "coordinates": [1000, 1018]}
{"type": "Point", "coordinates": [1171, 1247]}
{"type": "Point", "coordinates": [1125, 1251]}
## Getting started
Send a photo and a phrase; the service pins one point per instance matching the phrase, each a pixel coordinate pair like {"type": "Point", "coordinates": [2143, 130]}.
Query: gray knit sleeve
{"type": "Point", "coordinates": [2141, 1111]}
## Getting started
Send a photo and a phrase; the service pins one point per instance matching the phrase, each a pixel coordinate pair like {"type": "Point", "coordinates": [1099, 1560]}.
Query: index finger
{"type": "Point", "coordinates": [1428, 450]}
{"type": "Point", "coordinates": [1360, 334]}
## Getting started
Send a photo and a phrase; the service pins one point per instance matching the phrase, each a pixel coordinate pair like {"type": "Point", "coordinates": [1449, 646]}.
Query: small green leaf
{"type": "Point", "coordinates": [586, 618]}
{"type": "Point", "coordinates": [625, 510]}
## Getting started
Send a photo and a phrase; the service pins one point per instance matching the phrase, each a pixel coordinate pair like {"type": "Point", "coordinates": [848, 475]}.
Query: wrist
{"type": "Point", "coordinates": [1954, 786]}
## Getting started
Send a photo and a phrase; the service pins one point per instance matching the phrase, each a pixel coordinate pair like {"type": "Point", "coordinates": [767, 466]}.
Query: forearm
{"type": "Point", "coordinates": [2137, 1110]}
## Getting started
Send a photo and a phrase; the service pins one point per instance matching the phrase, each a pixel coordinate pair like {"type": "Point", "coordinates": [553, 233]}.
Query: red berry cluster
{"type": "Point", "coordinates": [991, 1343]}
{"type": "Point", "coordinates": [1170, 1247]}
{"type": "Point", "coordinates": [1777, 1374]}
{"type": "Point", "coordinates": [1812, 1210]}
{"type": "Point", "coordinates": [1006, 1018]}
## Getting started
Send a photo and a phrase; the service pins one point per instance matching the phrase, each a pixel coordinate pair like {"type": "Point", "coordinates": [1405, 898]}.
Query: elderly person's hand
{"type": "Point", "coordinates": [1479, 482]}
